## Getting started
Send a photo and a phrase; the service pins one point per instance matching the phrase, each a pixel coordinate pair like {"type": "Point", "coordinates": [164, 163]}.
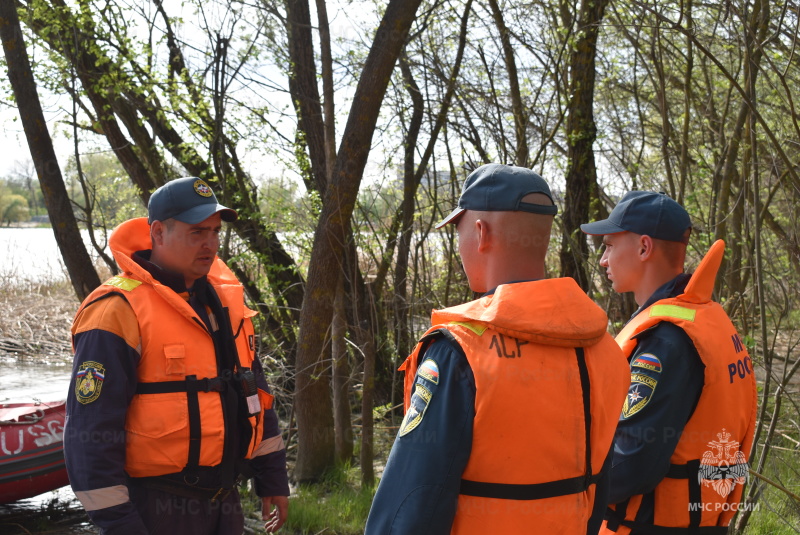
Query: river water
{"type": "Point", "coordinates": [29, 255]}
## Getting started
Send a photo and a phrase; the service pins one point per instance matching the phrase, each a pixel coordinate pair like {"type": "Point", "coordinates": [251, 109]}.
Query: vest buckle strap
{"type": "Point", "coordinates": [535, 491]}
{"type": "Point", "coordinates": [215, 384]}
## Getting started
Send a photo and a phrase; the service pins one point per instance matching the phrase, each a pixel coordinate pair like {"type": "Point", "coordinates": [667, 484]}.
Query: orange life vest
{"type": "Point", "coordinates": [548, 388]}
{"type": "Point", "coordinates": [175, 420]}
{"type": "Point", "coordinates": [700, 489]}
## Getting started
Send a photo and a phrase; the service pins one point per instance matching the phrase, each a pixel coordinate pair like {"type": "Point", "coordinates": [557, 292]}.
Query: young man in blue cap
{"type": "Point", "coordinates": [686, 428]}
{"type": "Point", "coordinates": [511, 399]}
{"type": "Point", "coordinates": [168, 406]}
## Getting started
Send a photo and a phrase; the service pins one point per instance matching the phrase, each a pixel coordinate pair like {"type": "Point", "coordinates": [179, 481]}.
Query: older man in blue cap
{"type": "Point", "coordinates": [511, 399]}
{"type": "Point", "coordinates": [686, 428]}
{"type": "Point", "coordinates": [177, 410]}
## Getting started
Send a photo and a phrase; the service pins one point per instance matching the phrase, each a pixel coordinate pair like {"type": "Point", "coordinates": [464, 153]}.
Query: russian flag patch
{"type": "Point", "coordinates": [648, 361]}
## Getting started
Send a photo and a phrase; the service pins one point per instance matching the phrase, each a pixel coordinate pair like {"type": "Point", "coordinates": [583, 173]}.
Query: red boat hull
{"type": "Point", "coordinates": [31, 449]}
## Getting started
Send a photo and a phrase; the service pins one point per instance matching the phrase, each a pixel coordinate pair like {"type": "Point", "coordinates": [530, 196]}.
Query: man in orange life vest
{"type": "Point", "coordinates": [686, 428]}
{"type": "Point", "coordinates": [177, 408]}
{"type": "Point", "coordinates": [511, 399]}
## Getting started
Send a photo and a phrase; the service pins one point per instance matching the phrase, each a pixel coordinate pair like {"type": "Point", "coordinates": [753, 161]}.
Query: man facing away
{"type": "Point", "coordinates": [686, 428]}
{"type": "Point", "coordinates": [511, 399]}
{"type": "Point", "coordinates": [178, 408]}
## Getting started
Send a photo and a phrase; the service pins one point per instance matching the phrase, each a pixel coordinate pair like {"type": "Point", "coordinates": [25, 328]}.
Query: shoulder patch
{"type": "Point", "coordinates": [639, 394]}
{"type": "Point", "coordinates": [89, 381]}
{"type": "Point", "coordinates": [419, 404]}
{"type": "Point", "coordinates": [648, 361]}
{"type": "Point", "coordinates": [123, 283]}
{"type": "Point", "coordinates": [429, 370]}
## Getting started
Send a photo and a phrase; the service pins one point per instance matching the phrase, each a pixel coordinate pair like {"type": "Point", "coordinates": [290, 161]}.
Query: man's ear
{"type": "Point", "coordinates": [483, 233]}
{"type": "Point", "coordinates": [646, 247]}
{"type": "Point", "coordinates": [157, 232]}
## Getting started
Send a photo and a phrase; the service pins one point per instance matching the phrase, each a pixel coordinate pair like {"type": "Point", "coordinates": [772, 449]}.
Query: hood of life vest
{"type": "Point", "coordinates": [553, 312]}
{"type": "Point", "coordinates": [134, 235]}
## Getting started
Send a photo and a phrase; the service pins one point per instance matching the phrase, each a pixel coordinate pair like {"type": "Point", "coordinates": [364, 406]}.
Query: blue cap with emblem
{"type": "Point", "coordinates": [646, 213]}
{"type": "Point", "coordinates": [500, 188]}
{"type": "Point", "coordinates": [189, 200]}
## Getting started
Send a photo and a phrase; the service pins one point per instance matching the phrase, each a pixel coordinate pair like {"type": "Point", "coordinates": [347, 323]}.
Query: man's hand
{"type": "Point", "coordinates": [274, 518]}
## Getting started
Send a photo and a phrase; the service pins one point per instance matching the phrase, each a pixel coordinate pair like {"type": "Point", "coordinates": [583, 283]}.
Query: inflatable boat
{"type": "Point", "coordinates": [31, 449]}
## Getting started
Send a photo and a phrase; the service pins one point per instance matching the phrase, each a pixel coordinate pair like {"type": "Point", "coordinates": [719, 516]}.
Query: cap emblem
{"type": "Point", "coordinates": [202, 188]}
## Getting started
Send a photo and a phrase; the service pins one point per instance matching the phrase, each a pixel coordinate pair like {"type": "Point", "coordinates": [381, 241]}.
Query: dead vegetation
{"type": "Point", "coordinates": [35, 321]}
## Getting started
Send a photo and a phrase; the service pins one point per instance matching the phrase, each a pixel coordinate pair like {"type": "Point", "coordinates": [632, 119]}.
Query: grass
{"type": "Point", "coordinates": [776, 513]}
{"type": "Point", "coordinates": [338, 505]}
{"type": "Point", "coordinates": [339, 511]}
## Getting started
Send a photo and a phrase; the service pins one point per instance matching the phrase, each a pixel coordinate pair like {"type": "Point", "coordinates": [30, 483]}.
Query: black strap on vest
{"type": "Point", "coordinates": [549, 489]}
{"type": "Point", "coordinates": [216, 384]}
{"type": "Point", "coordinates": [535, 491]}
{"type": "Point", "coordinates": [194, 423]}
{"type": "Point", "coordinates": [587, 410]}
{"type": "Point", "coordinates": [689, 472]}
{"type": "Point", "coordinates": [642, 528]}
{"type": "Point", "coordinates": [616, 516]}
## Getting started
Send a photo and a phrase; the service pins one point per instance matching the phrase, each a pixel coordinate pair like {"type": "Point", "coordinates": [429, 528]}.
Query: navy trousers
{"type": "Point", "coordinates": [164, 513]}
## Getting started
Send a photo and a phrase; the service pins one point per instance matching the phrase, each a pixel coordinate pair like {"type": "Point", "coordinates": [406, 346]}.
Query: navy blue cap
{"type": "Point", "coordinates": [187, 199]}
{"type": "Point", "coordinates": [646, 213]}
{"type": "Point", "coordinates": [500, 188]}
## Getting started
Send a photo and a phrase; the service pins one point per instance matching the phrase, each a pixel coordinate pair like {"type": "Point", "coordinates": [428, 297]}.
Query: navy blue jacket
{"type": "Point", "coordinates": [646, 439]}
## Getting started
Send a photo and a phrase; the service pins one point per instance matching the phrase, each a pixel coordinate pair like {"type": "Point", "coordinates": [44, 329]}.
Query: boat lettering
{"type": "Point", "coordinates": [4, 447]}
{"type": "Point", "coordinates": [55, 433]}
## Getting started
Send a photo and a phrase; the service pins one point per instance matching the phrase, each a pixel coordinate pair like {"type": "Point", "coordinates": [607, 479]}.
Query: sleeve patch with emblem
{"type": "Point", "coordinates": [416, 411]}
{"type": "Point", "coordinates": [430, 371]}
{"type": "Point", "coordinates": [89, 381]}
{"type": "Point", "coordinates": [648, 361]}
{"type": "Point", "coordinates": [639, 394]}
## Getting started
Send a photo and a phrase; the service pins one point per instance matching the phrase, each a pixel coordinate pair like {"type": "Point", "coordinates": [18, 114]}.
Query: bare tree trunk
{"type": "Point", "coordinates": [316, 452]}
{"type": "Point", "coordinates": [687, 110]}
{"type": "Point", "coordinates": [68, 237]}
{"type": "Point", "coordinates": [343, 426]}
{"type": "Point", "coordinates": [304, 90]}
{"type": "Point", "coordinates": [367, 404]}
{"type": "Point", "coordinates": [400, 296]}
{"type": "Point", "coordinates": [581, 131]}
{"type": "Point", "coordinates": [328, 107]}
{"type": "Point", "coordinates": [363, 322]}
{"type": "Point", "coordinates": [517, 108]}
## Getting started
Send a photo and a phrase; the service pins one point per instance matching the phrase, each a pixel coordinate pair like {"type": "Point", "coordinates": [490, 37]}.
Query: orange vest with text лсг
{"type": "Point", "coordinates": [549, 384]}
{"type": "Point", "coordinates": [175, 346]}
{"type": "Point", "coordinates": [709, 465]}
